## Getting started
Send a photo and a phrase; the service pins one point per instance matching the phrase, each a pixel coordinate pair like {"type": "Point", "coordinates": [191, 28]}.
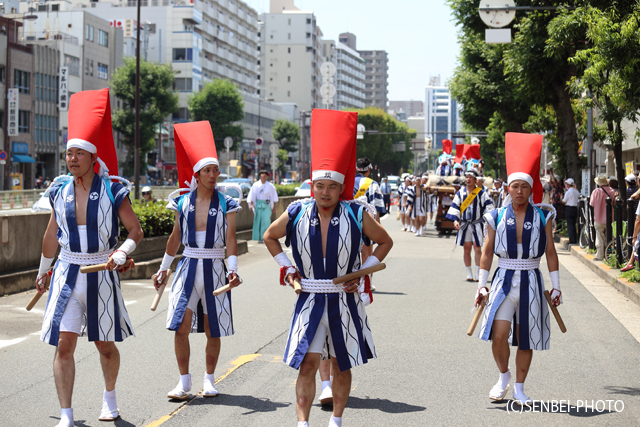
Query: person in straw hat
{"type": "Point", "coordinates": [599, 202]}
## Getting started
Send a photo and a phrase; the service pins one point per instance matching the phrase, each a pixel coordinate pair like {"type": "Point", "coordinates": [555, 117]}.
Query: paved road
{"type": "Point", "coordinates": [428, 372]}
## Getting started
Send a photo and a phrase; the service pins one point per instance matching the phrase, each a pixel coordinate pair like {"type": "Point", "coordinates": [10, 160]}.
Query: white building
{"type": "Point", "coordinates": [349, 78]}
{"type": "Point", "coordinates": [440, 113]}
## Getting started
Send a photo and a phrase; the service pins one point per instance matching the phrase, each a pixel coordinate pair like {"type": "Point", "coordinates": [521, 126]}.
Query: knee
{"type": "Point", "coordinates": [64, 350]}
{"type": "Point", "coordinates": [308, 368]}
{"type": "Point", "coordinates": [107, 349]}
{"type": "Point", "coordinates": [500, 338]}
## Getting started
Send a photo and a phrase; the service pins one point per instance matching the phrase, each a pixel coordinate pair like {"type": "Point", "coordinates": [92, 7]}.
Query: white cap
{"type": "Point", "coordinates": [570, 181]}
{"type": "Point", "coordinates": [630, 178]}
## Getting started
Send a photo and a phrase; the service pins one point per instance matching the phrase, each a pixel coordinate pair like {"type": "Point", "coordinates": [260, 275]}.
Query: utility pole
{"type": "Point", "coordinates": [136, 156]}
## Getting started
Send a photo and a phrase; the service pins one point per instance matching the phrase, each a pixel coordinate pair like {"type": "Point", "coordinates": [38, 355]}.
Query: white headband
{"type": "Point", "coordinates": [364, 169]}
{"type": "Point", "coordinates": [205, 162]}
{"type": "Point", "coordinates": [520, 175]}
{"type": "Point", "coordinates": [325, 174]}
{"type": "Point", "coordinates": [81, 143]}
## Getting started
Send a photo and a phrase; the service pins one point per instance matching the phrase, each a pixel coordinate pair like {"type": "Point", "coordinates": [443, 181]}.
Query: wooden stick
{"type": "Point", "coordinates": [555, 312]}
{"type": "Point", "coordinates": [156, 300]}
{"type": "Point", "coordinates": [476, 317]}
{"type": "Point", "coordinates": [358, 274]}
{"type": "Point", "coordinates": [101, 267]}
{"type": "Point", "coordinates": [38, 295]}
{"type": "Point", "coordinates": [221, 290]}
{"type": "Point", "coordinates": [297, 286]}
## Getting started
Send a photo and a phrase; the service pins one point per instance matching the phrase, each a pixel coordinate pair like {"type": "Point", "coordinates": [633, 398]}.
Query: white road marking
{"type": "Point", "coordinates": [7, 343]}
{"type": "Point", "coordinates": [36, 333]}
{"type": "Point", "coordinates": [134, 283]}
{"type": "Point", "coordinates": [130, 302]}
{"type": "Point", "coordinates": [33, 310]}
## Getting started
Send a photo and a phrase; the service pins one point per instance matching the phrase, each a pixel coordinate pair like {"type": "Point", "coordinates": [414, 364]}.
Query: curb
{"type": "Point", "coordinates": [610, 275]}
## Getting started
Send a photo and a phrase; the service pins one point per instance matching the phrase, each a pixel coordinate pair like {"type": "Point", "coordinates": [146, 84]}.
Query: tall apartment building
{"type": "Point", "coordinates": [349, 78]}
{"type": "Point", "coordinates": [441, 113]}
{"type": "Point", "coordinates": [376, 88]}
{"type": "Point", "coordinates": [411, 108]}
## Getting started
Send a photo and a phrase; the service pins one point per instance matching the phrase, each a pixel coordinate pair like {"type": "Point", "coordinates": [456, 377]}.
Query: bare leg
{"type": "Point", "coordinates": [181, 343]}
{"type": "Point", "coordinates": [306, 385]}
{"type": "Point", "coordinates": [212, 350]}
{"type": "Point", "coordinates": [110, 361]}
{"type": "Point", "coordinates": [478, 251]}
{"type": "Point", "coordinates": [523, 362]}
{"type": "Point", "coordinates": [64, 367]}
{"type": "Point", "coordinates": [467, 254]}
{"type": "Point", "coordinates": [500, 344]}
{"type": "Point", "coordinates": [341, 388]}
{"type": "Point", "coordinates": [325, 370]}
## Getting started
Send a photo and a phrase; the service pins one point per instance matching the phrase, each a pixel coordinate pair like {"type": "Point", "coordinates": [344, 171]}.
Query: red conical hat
{"type": "Point", "coordinates": [472, 152]}
{"type": "Point", "coordinates": [195, 149]}
{"type": "Point", "coordinates": [90, 128]}
{"type": "Point", "coordinates": [459, 153]}
{"type": "Point", "coordinates": [522, 151]}
{"type": "Point", "coordinates": [333, 147]}
{"type": "Point", "coordinates": [447, 146]}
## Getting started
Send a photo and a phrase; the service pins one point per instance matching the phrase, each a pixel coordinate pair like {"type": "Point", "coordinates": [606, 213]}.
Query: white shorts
{"type": "Point", "coordinates": [76, 309]}
{"type": "Point", "coordinates": [468, 237]}
{"type": "Point", "coordinates": [197, 293]}
{"type": "Point", "coordinates": [511, 303]}
{"type": "Point", "coordinates": [322, 337]}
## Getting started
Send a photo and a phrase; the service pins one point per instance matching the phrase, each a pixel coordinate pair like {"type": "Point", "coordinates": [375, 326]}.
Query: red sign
{"type": "Point", "coordinates": [3, 155]}
{"type": "Point", "coordinates": [259, 141]}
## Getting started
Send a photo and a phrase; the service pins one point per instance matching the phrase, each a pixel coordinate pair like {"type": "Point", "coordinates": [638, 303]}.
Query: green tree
{"type": "Point", "coordinates": [157, 101]}
{"type": "Point", "coordinates": [378, 147]}
{"type": "Point", "coordinates": [221, 104]}
{"type": "Point", "coordinates": [287, 133]}
{"type": "Point", "coordinates": [283, 158]}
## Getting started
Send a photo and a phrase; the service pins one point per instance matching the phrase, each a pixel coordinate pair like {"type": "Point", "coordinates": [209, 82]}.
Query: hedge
{"type": "Point", "coordinates": [155, 219]}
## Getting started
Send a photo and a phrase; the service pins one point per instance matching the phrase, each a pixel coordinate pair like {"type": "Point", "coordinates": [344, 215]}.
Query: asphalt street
{"type": "Point", "coordinates": [428, 371]}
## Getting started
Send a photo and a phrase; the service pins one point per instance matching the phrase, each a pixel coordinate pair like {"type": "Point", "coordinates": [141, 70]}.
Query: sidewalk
{"type": "Point", "coordinates": [610, 275]}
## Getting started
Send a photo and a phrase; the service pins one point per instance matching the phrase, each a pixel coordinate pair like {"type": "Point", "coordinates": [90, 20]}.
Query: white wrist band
{"type": "Point", "coordinates": [166, 262]}
{"type": "Point", "coordinates": [482, 278]}
{"type": "Point", "coordinates": [555, 279]}
{"type": "Point", "coordinates": [283, 260]}
{"type": "Point", "coordinates": [45, 265]}
{"type": "Point", "coordinates": [232, 262]}
{"type": "Point", "coordinates": [370, 262]}
{"type": "Point", "coordinates": [128, 246]}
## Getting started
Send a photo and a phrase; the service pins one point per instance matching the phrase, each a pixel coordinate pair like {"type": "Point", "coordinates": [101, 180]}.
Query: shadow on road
{"type": "Point", "coordinates": [629, 391]}
{"type": "Point", "coordinates": [575, 411]}
{"type": "Point", "coordinates": [384, 405]}
{"type": "Point", "coordinates": [119, 422]}
{"type": "Point", "coordinates": [253, 404]}
{"type": "Point", "coordinates": [387, 293]}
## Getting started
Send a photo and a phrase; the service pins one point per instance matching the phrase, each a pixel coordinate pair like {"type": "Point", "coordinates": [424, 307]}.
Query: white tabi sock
{"type": "Point", "coordinates": [505, 378]}
{"type": "Point", "coordinates": [303, 423]}
{"type": "Point", "coordinates": [185, 380]}
{"type": "Point", "coordinates": [331, 378]}
{"type": "Point", "coordinates": [325, 384]}
{"type": "Point", "coordinates": [477, 271]}
{"type": "Point", "coordinates": [520, 389]}
{"type": "Point", "coordinates": [469, 273]}
{"type": "Point", "coordinates": [335, 421]}
{"type": "Point", "coordinates": [66, 417]}
{"type": "Point", "coordinates": [110, 398]}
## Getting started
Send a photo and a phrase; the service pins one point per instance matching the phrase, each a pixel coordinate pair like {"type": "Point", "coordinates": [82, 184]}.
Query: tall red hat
{"type": "Point", "coordinates": [459, 153]}
{"type": "Point", "coordinates": [522, 151]}
{"type": "Point", "coordinates": [90, 128]}
{"type": "Point", "coordinates": [333, 147]}
{"type": "Point", "coordinates": [472, 152]}
{"type": "Point", "coordinates": [447, 146]}
{"type": "Point", "coordinates": [195, 149]}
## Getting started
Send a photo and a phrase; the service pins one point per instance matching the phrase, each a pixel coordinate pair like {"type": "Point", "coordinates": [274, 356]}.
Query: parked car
{"type": "Point", "coordinates": [223, 177]}
{"type": "Point", "coordinates": [304, 190]}
{"type": "Point", "coordinates": [393, 181]}
{"type": "Point", "coordinates": [287, 181]}
{"type": "Point", "coordinates": [42, 204]}
{"type": "Point", "coordinates": [232, 189]}
{"type": "Point", "coordinates": [246, 180]}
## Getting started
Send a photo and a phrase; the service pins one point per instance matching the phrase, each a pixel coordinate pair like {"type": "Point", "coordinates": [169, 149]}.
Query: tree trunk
{"type": "Point", "coordinates": [567, 133]}
{"type": "Point", "coordinates": [620, 170]}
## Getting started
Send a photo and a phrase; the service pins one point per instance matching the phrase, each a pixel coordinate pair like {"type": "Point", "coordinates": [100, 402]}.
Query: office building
{"type": "Point", "coordinates": [440, 112]}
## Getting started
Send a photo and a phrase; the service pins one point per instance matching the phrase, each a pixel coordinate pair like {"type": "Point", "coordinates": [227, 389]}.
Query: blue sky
{"type": "Point", "coordinates": [417, 34]}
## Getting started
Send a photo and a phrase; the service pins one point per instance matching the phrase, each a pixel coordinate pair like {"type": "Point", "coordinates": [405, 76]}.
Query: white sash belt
{"type": "Point", "coordinates": [81, 258]}
{"type": "Point", "coordinates": [203, 253]}
{"type": "Point", "coordinates": [320, 286]}
{"type": "Point", "coordinates": [519, 264]}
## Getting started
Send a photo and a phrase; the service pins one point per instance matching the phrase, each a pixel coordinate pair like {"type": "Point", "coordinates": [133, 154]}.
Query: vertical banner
{"type": "Point", "coordinates": [628, 168]}
{"type": "Point", "coordinates": [63, 92]}
{"type": "Point", "coordinates": [13, 96]}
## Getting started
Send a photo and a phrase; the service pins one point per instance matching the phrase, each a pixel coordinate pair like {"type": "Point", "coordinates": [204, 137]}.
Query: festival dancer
{"type": "Point", "coordinates": [410, 194]}
{"type": "Point", "coordinates": [467, 209]}
{"type": "Point", "coordinates": [519, 234]}
{"type": "Point", "coordinates": [326, 234]}
{"type": "Point", "coordinates": [87, 207]}
{"type": "Point", "coordinates": [402, 203]}
{"type": "Point", "coordinates": [368, 188]}
{"type": "Point", "coordinates": [205, 224]}
{"type": "Point", "coordinates": [444, 168]}
{"type": "Point", "coordinates": [416, 202]}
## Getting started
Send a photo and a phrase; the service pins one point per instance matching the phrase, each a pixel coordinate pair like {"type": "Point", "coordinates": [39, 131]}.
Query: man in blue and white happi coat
{"type": "Point", "coordinates": [87, 208]}
{"type": "Point", "coordinates": [467, 209]}
{"type": "Point", "coordinates": [402, 202]}
{"type": "Point", "coordinates": [205, 224]}
{"type": "Point", "coordinates": [444, 167]}
{"type": "Point", "coordinates": [368, 188]}
{"type": "Point", "coordinates": [519, 234]}
{"type": "Point", "coordinates": [326, 235]}
{"type": "Point", "coordinates": [417, 205]}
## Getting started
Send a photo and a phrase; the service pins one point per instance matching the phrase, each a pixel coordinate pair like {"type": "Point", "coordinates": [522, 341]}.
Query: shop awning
{"type": "Point", "coordinates": [22, 158]}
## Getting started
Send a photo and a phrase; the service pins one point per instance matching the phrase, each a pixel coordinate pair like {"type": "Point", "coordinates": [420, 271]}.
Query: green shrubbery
{"type": "Point", "coordinates": [287, 190]}
{"type": "Point", "coordinates": [155, 219]}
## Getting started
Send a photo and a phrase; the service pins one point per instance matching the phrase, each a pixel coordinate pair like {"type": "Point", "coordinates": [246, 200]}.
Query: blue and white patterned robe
{"type": "Point", "coordinates": [444, 170]}
{"type": "Point", "coordinates": [533, 310]}
{"type": "Point", "coordinates": [411, 201]}
{"type": "Point", "coordinates": [107, 318]}
{"type": "Point", "coordinates": [214, 270]}
{"type": "Point", "coordinates": [471, 219]}
{"type": "Point", "coordinates": [373, 194]}
{"type": "Point", "coordinates": [350, 331]}
{"type": "Point", "coordinates": [402, 188]}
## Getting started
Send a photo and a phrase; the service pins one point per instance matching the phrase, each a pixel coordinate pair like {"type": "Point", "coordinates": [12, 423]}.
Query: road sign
{"type": "Point", "coordinates": [360, 129]}
{"type": "Point", "coordinates": [274, 150]}
{"type": "Point", "coordinates": [3, 155]}
{"type": "Point", "coordinates": [159, 165]}
{"type": "Point", "coordinates": [259, 141]}
{"type": "Point", "coordinates": [228, 142]}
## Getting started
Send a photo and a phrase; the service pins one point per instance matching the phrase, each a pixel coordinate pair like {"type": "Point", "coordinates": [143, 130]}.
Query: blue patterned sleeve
{"type": "Point", "coordinates": [293, 210]}
{"type": "Point", "coordinates": [53, 192]}
{"type": "Point", "coordinates": [173, 204]}
{"type": "Point", "coordinates": [492, 218]}
{"type": "Point", "coordinates": [453, 214]}
{"type": "Point", "coordinates": [232, 205]}
{"type": "Point", "coordinates": [120, 192]}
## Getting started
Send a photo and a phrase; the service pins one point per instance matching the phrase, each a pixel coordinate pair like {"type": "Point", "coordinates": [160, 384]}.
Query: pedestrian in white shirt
{"type": "Point", "coordinates": [262, 201]}
{"type": "Point", "coordinates": [571, 200]}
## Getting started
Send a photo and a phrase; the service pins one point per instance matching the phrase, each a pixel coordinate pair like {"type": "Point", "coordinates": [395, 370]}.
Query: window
{"type": "Point", "coordinates": [46, 88]}
{"type": "Point", "coordinates": [42, 8]}
{"type": "Point", "coordinates": [73, 63]}
{"type": "Point", "coordinates": [55, 7]}
{"type": "Point", "coordinates": [23, 121]}
{"type": "Point", "coordinates": [289, 36]}
{"type": "Point", "coordinates": [308, 20]}
{"type": "Point", "coordinates": [308, 35]}
{"type": "Point", "coordinates": [22, 81]}
{"type": "Point", "coordinates": [288, 78]}
{"type": "Point", "coordinates": [288, 50]}
{"type": "Point", "coordinates": [2, 70]}
{"type": "Point", "coordinates": [103, 38]}
{"type": "Point", "coordinates": [46, 129]}
{"type": "Point", "coordinates": [289, 93]}
{"type": "Point", "coordinates": [88, 67]}
{"type": "Point", "coordinates": [103, 71]}
{"type": "Point", "coordinates": [289, 21]}
{"type": "Point", "coordinates": [88, 32]}
{"type": "Point", "coordinates": [289, 64]}
{"type": "Point", "coordinates": [183, 54]}
{"type": "Point", "coordinates": [183, 84]}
